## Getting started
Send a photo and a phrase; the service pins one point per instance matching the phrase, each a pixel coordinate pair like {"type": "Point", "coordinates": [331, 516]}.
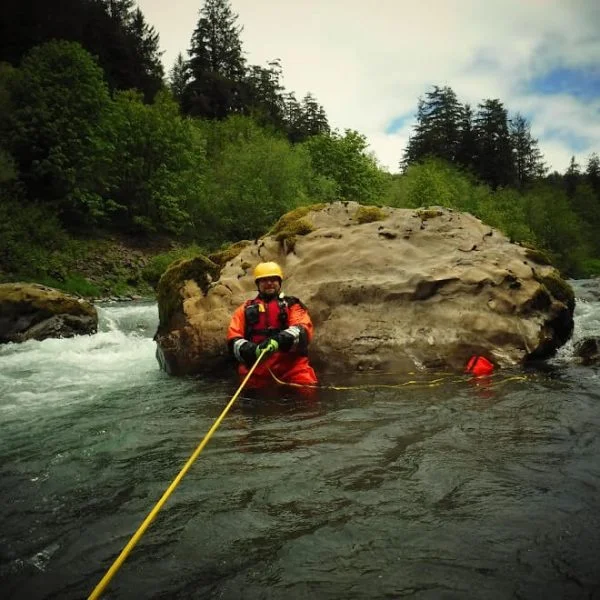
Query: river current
{"type": "Point", "coordinates": [441, 486]}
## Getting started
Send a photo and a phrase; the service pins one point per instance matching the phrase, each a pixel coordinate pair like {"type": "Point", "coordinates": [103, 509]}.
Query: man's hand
{"type": "Point", "coordinates": [269, 346]}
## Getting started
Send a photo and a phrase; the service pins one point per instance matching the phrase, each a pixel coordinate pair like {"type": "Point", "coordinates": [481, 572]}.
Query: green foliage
{"type": "Point", "coordinates": [506, 210]}
{"type": "Point", "coordinates": [555, 226]}
{"type": "Point", "coordinates": [434, 182]}
{"type": "Point", "coordinates": [159, 263]}
{"type": "Point", "coordinates": [114, 31]}
{"type": "Point", "coordinates": [75, 284]}
{"type": "Point", "coordinates": [31, 240]}
{"type": "Point", "coordinates": [254, 177]}
{"type": "Point", "coordinates": [157, 164]}
{"type": "Point", "coordinates": [343, 159]}
{"type": "Point", "coordinates": [60, 99]}
{"type": "Point", "coordinates": [591, 267]}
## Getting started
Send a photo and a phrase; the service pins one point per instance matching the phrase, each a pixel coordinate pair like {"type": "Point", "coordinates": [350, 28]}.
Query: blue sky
{"type": "Point", "coordinates": [368, 63]}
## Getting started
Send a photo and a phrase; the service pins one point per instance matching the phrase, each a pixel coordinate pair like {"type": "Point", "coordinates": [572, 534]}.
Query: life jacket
{"type": "Point", "coordinates": [265, 319]}
{"type": "Point", "coordinates": [479, 365]}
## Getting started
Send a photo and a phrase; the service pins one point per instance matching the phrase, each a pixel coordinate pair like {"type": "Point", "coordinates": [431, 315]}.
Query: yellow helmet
{"type": "Point", "coordinates": [267, 269]}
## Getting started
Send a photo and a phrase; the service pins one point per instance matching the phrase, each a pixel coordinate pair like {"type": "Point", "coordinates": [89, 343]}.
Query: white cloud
{"type": "Point", "coordinates": [367, 63]}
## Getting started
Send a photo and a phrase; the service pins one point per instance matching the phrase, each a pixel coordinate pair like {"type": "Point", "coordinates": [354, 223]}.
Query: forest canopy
{"type": "Point", "coordinates": [95, 141]}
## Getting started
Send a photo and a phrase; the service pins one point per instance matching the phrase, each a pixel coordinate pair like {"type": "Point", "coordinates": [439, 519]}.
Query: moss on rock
{"type": "Point", "coordinates": [293, 224]}
{"type": "Point", "coordinates": [429, 213]}
{"type": "Point", "coordinates": [369, 214]}
{"type": "Point", "coordinates": [45, 299]}
{"type": "Point", "coordinates": [286, 222]}
{"type": "Point", "coordinates": [200, 269]}
{"type": "Point", "coordinates": [560, 289]}
{"type": "Point", "coordinates": [222, 257]}
{"type": "Point", "coordinates": [537, 256]}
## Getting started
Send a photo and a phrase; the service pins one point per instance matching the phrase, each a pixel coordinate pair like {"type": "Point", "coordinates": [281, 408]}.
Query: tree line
{"type": "Point", "coordinates": [493, 159]}
{"type": "Point", "coordinates": [94, 140]}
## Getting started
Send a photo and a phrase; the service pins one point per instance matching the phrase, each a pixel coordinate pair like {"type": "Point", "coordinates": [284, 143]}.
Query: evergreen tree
{"type": "Point", "coordinates": [178, 78]}
{"type": "Point", "coordinates": [126, 47]}
{"type": "Point", "coordinates": [217, 65]}
{"type": "Point", "coordinates": [314, 119]}
{"type": "Point", "coordinates": [264, 94]}
{"type": "Point", "coordinates": [292, 112]}
{"type": "Point", "coordinates": [494, 148]}
{"type": "Point", "coordinates": [572, 177]}
{"type": "Point", "coordinates": [527, 157]}
{"type": "Point", "coordinates": [145, 41]}
{"type": "Point", "coordinates": [437, 132]}
{"type": "Point", "coordinates": [467, 147]}
{"type": "Point", "coordinates": [592, 172]}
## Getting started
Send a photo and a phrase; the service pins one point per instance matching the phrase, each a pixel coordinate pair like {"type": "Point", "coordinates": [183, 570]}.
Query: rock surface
{"type": "Point", "coordinates": [387, 289]}
{"type": "Point", "coordinates": [30, 311]}
{"type": "Point", "coordinates": [588, 350]}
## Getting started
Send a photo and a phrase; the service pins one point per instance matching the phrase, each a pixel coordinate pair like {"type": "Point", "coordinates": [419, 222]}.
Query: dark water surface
{"type": "Point", "coordinates": [453, 489]}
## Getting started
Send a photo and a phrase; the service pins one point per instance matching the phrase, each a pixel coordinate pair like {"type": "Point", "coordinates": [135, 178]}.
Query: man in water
{"type": "Point", "coordinates": [276, 323]}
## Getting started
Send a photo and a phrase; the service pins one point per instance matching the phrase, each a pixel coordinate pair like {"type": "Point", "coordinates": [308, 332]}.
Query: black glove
{"type": "Point", "coordinates": [285, 340]}
{"type": "Point", "coordinates": [248, 353]}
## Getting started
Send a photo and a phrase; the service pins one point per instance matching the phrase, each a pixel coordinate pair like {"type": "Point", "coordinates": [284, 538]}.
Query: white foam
{"type": "Point", "coordinates": [56, 371]}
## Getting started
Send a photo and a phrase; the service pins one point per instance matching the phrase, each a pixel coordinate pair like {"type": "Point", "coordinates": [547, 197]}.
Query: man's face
{"type": "Point", "coordinates": [269, 286]}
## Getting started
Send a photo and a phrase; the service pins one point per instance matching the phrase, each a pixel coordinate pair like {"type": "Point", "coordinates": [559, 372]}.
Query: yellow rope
{"type": "Point", "coordinates": [431, 383]}
{"type": "Point", "coordinates": [146, 523]}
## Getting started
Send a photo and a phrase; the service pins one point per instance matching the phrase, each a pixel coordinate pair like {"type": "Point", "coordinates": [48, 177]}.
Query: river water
{"type": "Point", "coordinates": [440, 487]}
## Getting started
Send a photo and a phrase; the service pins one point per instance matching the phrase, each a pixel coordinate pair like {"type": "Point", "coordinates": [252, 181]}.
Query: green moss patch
{"type": "Point", "coordinates": [538, 256]}
{"type": "Point", "coordinates": [222, 257]}
{"type": "Point", "coordinates": [429, 213]}
{"type": "Point", "coordinates": [286, 222]}
{"type": "Point", "coordinates": [560, 289]}
{"type": "Point", "coordinates": [369, 214]}
{"type": "Point", "coordinates": [293, 224]}
{"type": "Point", "coordinates": [45, 299]}
{"type": "Point", "coordinates": [200, 269]}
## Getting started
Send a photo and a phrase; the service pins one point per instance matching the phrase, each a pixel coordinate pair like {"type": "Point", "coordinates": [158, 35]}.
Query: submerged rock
{"type": "Point", "coordinates": [387, 289]}
{"type": "Point", "coordinates": [29, 311]}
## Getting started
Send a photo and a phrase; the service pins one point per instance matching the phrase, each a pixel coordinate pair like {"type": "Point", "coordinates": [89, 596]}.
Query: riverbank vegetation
{"type": "Point", "coordinates": [108, 171]}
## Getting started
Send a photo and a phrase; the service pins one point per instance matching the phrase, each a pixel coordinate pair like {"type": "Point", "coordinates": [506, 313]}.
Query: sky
{"type": "Point", "coordinates": [367, 63]}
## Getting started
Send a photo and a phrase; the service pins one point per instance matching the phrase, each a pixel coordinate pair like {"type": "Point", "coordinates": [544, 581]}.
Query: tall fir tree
{"type": "Point", "coordinates": [528, 160]}
{"type": "Point", "coordinates": [592, 172]}
{"type": "Point", "coordinates": [314, 119]}
{"type": "Point", "coordinates": [494, 148]}
{"type": "Point", "coordinates": [572, 177]}
{"type": "Point", "coordinates": [178, 78]}
{"type": "Point", "coordinates": [263, 94]}
{"type": "Point", "coordinates": [466, 155]}
{"type": "Point", "coordinates": [437, 132]}
{"type": "Point", "coordinates": [126, 47]}
{"type": "Point", "coordinates": [217, 64]}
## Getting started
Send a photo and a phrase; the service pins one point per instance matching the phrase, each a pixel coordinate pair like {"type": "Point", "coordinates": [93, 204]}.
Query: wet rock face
{"type": "Point", "coordinates": [588, 350]}
{"type": "Point", "coordinates": [387, 289]}
{"type": "Point", "coordinates": [35, 312]}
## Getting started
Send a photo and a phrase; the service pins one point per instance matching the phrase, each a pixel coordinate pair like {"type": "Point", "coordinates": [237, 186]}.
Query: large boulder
{"type": "Point", "coordinates": [389, 289]}
{"type": "Point", "coordinates": [29, 311]}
